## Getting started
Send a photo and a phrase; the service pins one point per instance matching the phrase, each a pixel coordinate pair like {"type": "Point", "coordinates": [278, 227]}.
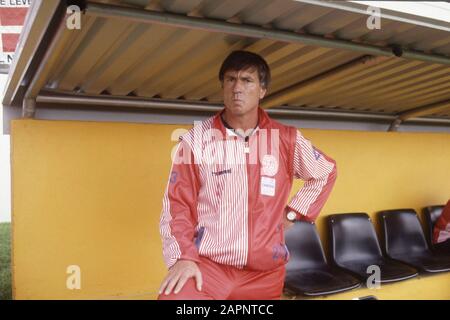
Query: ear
{"type": "Point", "coordinates": [262, 93]}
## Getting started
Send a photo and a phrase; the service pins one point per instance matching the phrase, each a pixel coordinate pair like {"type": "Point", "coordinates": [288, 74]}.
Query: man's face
{"type": "Point", "coordinates": [242, 91]}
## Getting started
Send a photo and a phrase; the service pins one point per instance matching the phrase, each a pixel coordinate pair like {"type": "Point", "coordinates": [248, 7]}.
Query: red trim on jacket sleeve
{"type": "Point", "coordinates": [441, 231]}
{"type": "Point", "coordinates": [179, 214]}
{"type": "Point", "coordinates": [319, 172]}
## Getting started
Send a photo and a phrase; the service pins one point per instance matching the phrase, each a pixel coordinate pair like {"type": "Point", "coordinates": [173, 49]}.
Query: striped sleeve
{"type": "Point", "coordinates": [179, 213]}
{"type": "Point", "coordinates": [319, 172]}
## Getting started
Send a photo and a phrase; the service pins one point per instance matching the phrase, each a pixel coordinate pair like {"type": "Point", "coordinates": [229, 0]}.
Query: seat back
{"type": "Point", "coordinates": [431, 213]}
{"type": "Point", "coordinates": [353, 238]}
{"type": "Point", "coordinates": [402, 232]}
{"type": "Point", "coordinates": [305, 248]}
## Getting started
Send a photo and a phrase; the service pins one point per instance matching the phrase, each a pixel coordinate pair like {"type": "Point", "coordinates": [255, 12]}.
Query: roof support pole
{"type": "Point", "coordinates": [49, 59]}
{"type": "Point", "coordinates": [33, 32]}
{"type": "Point", "coordinates": [53, 97]}
{"type": "Point", "coordinates": [142, 103]}
{"type": "Point", "coordinates": [28, 108]}
{"type": "Point", "coordinates": [418, 112]}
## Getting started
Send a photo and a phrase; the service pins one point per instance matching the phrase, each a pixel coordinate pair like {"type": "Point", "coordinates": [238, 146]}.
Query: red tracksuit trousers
{"type": "Point", "coordinates": [222, 282]}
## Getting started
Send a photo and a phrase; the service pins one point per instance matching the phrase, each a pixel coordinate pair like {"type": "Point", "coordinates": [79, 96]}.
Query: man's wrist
{"type": "Point", "coordinates": [291, 215]}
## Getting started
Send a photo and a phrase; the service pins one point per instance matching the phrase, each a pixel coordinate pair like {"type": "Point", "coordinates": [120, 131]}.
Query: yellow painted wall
{"type": "Point", "coordinates": [90, 194]}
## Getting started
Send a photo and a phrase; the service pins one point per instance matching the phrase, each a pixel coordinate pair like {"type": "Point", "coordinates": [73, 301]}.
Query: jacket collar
{"type": "Point", "coordinates": [263, 121]}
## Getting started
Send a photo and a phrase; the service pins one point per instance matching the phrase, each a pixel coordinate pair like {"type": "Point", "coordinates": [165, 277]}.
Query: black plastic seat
{"type": "Point", "coordinates": [431, 213]}
{"type": "Point", "coordinates": [404, 241]}
{"type": "Point", "coordinates": [355, 247]}
{"type": "Point", "coordinates": [307, 271]}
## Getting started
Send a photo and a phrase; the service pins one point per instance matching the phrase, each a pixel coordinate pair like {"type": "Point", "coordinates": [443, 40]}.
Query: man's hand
{"type": "Point", "coordinates": [179, 273]}
{"type": "Point", "coordinates": [287, 223]}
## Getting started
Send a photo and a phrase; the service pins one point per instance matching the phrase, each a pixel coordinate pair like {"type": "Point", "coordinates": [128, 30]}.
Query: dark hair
{"type": "Point", "coordinates": [242, 60]}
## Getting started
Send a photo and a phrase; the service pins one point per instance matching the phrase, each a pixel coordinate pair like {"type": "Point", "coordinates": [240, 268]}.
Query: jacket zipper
{"type": "Point", "coordinates": [249, 215]}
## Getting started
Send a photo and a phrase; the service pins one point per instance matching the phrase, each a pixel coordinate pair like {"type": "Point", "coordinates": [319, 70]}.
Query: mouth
{"type": "Point", "coordinates": [238, 103]}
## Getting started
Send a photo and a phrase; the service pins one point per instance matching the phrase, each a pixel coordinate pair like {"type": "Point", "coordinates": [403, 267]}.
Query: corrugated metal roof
{"type": "Point", "coordinates": [119, 57]}
{"type": "Point", "coordinates": [307, 18]}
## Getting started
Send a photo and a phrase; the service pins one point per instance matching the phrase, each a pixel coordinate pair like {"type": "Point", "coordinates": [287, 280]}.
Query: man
{"type": "Point", "coordinates": [441, 232]}
{"type": "Point", "coordinates": [224, 209]}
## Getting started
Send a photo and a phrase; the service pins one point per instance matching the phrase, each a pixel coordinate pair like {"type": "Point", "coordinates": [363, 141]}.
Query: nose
{"type": "Point", "coordinates": [237, 87]}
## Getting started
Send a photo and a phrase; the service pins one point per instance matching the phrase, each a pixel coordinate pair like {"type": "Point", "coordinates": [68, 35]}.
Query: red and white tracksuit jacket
{"type": "Point", "coordinates": [226, 197]}
{"type": "Point", "coordinates": [441, 231]}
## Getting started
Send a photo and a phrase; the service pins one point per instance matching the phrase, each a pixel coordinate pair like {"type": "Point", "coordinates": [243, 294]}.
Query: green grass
{"type": "Point", "coordinates": [5, 261]}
